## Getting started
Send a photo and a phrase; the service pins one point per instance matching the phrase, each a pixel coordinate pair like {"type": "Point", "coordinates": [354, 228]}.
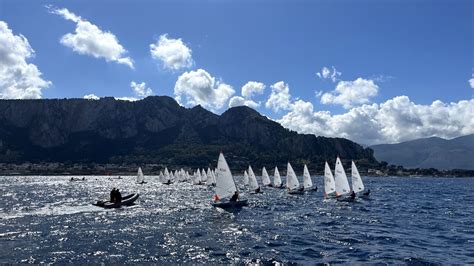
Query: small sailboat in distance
{"type": "Point", "coordinates": [140, 177]}
{"type": "Point", "coordinates": [357, 184]}
{"type": "Point", "coordinates": [227, 193]}
{"type": "Point", "coordinates": [329, 184]}
{"type": "Point", "coordinates": [342, 185]}
{"type": "Point", "coordinates": [246, 178]}
{"type": "Point", "coordinates": [253, 184]}
{"type": "Point", "coordinates": [277, 179]}
{"type": "Point", "coordinates": [265, 178]}
{"type": "Point", "coordinates": [292, 183]}
{"type": "Point", "coordinates": [307, 182]}
{"type": "Point", "coordinates": [167, 177]}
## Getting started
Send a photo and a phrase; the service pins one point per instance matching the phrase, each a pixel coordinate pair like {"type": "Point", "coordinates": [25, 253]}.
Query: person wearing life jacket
{"type": "Point", "coordinates": [235, 197]}
{"type": "Point", "coordinates": [353, 195]}
{"type": "Point", "coordinates": [112, 195]}
{"type": "Point", "coordinates": [118, 196]}
{"type": "Point", "coordinates": [367, 193]}
{"type": "Point", "coordinates": [257, 190]}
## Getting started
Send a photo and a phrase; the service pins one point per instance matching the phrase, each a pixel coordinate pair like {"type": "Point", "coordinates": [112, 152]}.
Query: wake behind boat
{"type": "Point", "coordinates": [227, 194]}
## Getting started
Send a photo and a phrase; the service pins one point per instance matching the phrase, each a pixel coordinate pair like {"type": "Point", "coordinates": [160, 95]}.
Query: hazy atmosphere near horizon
{"type": "Point", "coordinates": [241, 132]}
{"type": "Point", "coordinates": [370, 71]}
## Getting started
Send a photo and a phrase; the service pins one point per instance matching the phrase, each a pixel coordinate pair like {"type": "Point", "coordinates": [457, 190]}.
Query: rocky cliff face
{"type": "Point", "coordinates": [156, 130]}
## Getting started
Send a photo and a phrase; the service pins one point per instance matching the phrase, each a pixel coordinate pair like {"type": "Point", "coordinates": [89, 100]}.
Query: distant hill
{"type": "Point", "coordinates": [158, 130]}
{"type": "Point", "coordinates": [432, 152]}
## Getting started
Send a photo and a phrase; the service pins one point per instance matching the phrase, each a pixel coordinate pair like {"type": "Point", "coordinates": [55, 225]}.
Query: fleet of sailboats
{"type": "Point", "coordinates": [227, 192]}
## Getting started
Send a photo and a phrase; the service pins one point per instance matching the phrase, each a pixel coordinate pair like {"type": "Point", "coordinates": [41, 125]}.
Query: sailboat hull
{"type": "Point", "coordinates": [230, 204]}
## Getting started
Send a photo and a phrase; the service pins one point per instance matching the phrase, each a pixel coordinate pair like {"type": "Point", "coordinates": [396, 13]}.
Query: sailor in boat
{"type": "Point", "coordinates": [118, 196]}
{"type": "Point", "coordinates": [234, 197]}
{"type": "Point", "coordinates": [352, 196]}
{"type": "Point", "coordinates": [113, 194]}
{"type": "Point", "coordinates": [257, 190]}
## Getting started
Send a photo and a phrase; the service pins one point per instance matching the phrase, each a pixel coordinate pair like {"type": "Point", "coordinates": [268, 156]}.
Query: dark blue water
{"type": "Point", "coordinates": [408, 220]}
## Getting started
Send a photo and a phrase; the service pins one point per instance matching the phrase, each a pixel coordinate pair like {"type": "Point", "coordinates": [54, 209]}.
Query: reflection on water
{"type": "Point", "coordinates": [51, 219]}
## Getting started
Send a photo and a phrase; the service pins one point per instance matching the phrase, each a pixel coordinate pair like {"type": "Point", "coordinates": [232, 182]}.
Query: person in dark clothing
{"type": "Point", "coordinates": [112, 195]}
{"type": "Point", "coordinates": [118, 196]}
{"type": "Point", "coordinates": [235, 197]}
{"type": "Point", "coordinates": [257, 190]}
{"type": "Point", "coordinates": [353, 195]}
{"type": "Point", "coordinates": [367, 192]}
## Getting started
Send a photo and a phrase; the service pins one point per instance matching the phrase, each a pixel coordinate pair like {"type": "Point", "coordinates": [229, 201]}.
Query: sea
{"type": "Point", "coordinates": [406, 220]}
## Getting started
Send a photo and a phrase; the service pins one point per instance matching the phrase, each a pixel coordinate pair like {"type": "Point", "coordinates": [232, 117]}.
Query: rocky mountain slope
{"type": "Point", "coordinates": [157, 130]}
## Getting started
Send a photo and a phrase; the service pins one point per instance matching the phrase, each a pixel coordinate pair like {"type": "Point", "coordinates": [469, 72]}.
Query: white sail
{"type": "Point", "coordinates": [342, 185]}
{"type": "Point", "coordinates": [246, 178]}
{"type": "Point", "coordinates": [140, 177]}
{"type": "Point", "coordinates": [225, 185]}
{"type": "Point", "coordinates": [292, 182]}
{"type": "Point", "coordinates": [213, 175]}
{"type": "Point", "coordinates": [276, 178]}
{"type": "Point", "coordinates": [203, 176]}
{"type": "Point", "coordinates": [265, 178]}
{"type": "Point", "coordinates": [167, 176]}
{"type": "Point", "coordinates": [307, 182]}
{"type": "Point", "coordinates": [161, 177]}
{"type": "Point", "coordinates": [357, 185]}
{"type": "Point", "coordinates": [253, 184]}
{"type": "Point", "coordinates": [329, 184]}
{"type": "Point", "coordinates": [197, 177]}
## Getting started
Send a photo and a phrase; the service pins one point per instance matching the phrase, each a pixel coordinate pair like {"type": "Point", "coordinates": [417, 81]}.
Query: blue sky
{"type": "Point", "coordinates": [418, 49]}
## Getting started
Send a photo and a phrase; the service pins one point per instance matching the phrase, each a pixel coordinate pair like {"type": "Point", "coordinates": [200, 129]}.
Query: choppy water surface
{"type": "Point", "coordinates": [408, 220]}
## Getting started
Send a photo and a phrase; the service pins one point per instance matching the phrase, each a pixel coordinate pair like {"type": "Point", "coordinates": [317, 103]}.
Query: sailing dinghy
{"type": "Point", "coordinates": [277, 179]}
{"type": "Point", "coordinates": [307, 182]}
{"type": "Point", "coordinates": [140, 177]}
{"type": "Point", "coordinates": [265, 178]}
{"type": "Point", "coordinates": [357, 184]}
{"type": "Point", "coordinates": [342, 185]}
{"type": "Point", "coordinates": [253, 184]}
{"type": "Point", "coordinates": [226, 188]}
{"type": "Point", "coordinates": [292, 183]}
{"type": "Point", "coordinates": [246, 178]}
{"type": "Point", "coordinates": [329, 184]}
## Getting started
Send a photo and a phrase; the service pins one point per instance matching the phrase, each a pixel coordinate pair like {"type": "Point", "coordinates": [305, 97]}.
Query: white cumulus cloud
{"type": "Point", "coordinates": [395, 120]}
{"type": "Point", "coordinates": [18, 79]}
{"type": "Point", "coordinates": [280, 98]}
{"type": "Point", "coordinates": [351, 93]}
{"type": "Point", "coordinates": [326, 74]}
{"type": "Point", "coordinates": [91, 97]}
{"type": "Point", "coordinates": [140, 89]}
{"type": "Point", "coordinates": [173, 53]}
{"type": "Point", "coordinates": [252, 88]}
{"type": "Point", "coordinates": [199, 87]}
{"type": "Point", "coordinates": [127, 99]}
{"type": "Point", "coordinates": [240, 101]}
{"type": "Point", "coordinates": [471, 82]}
{"type": "Point", "coordinates": [89, 39]}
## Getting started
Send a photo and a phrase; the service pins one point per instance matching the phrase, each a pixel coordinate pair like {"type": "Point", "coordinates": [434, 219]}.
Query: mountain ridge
{"type": "Point", "coordinates": [433, 152]}
{"type": "Point", "coordinates": [157, 130]}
